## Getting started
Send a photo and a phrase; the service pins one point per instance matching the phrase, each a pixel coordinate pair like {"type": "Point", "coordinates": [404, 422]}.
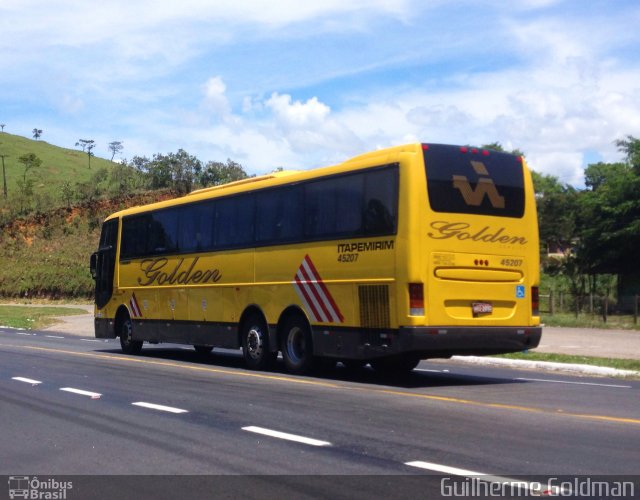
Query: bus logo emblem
{"type": "Point", "coordinates": [314, 294]}
{"type": "Point", "coordinates": [485, 187]}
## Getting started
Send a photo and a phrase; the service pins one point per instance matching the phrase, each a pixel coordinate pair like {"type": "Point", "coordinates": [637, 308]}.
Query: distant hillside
{"type": "Point", "coordinates": [47, 254]}
{"type": "Point", "coordinates": [58, 164]}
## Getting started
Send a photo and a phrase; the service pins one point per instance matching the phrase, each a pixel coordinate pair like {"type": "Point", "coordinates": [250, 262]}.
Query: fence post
{"type": "Point", "coordinates": [552, 305]}
{"type": "Point", "coordinates": [605, 307]}
{"type": "Point", "coordinates": [561, 302]}
{"type": "Point", "coordinates": [591, 303]}
{"type": "Point", "coordinates": [577, 304]}
{"type": "Point", "coordinates": [635, 309]}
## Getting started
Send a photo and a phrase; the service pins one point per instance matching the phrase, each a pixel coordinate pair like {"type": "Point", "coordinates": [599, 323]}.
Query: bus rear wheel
{"type": "Point", "coordinates": [255, 344]}
{"type": "Point", "coordinates": [395, 365]}
{"type": "Point", "coordinates": [297, 346]}
{"type": "Point", "coordinates": [128, 345]}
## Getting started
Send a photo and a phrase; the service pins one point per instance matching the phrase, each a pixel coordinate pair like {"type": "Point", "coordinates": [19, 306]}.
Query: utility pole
{"type": "Point", "coordinates": [4, 177]}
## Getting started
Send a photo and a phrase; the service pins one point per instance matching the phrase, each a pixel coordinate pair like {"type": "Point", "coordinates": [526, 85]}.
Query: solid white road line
{"type": "Point", "coordinates": [92, 395]}
{"type": "Point", "coordinates": [574, 383]}
{"type": "Point", "coordinates": [27, 380]}
{"type": "Point", "coordinates": [160, 407]}
{"type": "Point", "coordinates": [284, 435]}
{"type": "Point", "coordinates": [23, 333]}
{"type": "Point", "coordinates": [426, 370]}
{"type": "Point", "coordinates": [54, 336]}
{"type": "Point", "coordinates": [454, 471]}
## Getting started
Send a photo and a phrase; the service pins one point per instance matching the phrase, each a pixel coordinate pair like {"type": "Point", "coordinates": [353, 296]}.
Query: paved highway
{"type": "Point", "coordinates": [73, 405]}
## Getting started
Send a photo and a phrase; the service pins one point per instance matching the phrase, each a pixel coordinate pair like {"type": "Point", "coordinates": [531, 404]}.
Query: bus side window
{"type": "Point", "coordinates": [380, 212]}
{"type": "Point", "coordinates": [377, 219]}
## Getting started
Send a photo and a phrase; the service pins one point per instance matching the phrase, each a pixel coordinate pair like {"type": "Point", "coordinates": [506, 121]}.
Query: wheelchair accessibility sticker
{"type": "Point", "coordinates": [520, 292]}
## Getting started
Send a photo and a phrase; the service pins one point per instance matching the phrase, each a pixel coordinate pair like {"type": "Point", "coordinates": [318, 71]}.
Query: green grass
{"type": "Point", "coordinates": [33, 317]}
{"type": "Point", "coordinates": [58, 164]}
{"type": "Point", "coordinates": [590, 321]}
{"type": "Point", "coordinates": [52, 262]}
{"type": "Point", "coordinates": [621, 364]}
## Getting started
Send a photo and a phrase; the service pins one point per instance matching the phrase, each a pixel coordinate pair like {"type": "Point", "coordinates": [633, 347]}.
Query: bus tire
{"type": "Point", "coordinates": [297, 346]}
{"type": "Point", "coordinates": [395, 365]}
{"type": "Point", "coordinates": [203, 350]}
{"type": "Point", "coordinates": [128, 345]}
{"type": "Point", "coordinates": [255, 343]}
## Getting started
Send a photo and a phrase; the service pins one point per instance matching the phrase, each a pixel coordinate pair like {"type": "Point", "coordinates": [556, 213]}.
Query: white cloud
{"type": "Point", "coordinates": [297, 114]}
{"type": "Point", "coordinates": [226, 78]}
{"type": "Point", "coordinates": [215, 97]}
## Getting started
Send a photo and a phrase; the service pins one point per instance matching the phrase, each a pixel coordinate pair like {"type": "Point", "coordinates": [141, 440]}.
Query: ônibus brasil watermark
{"type": "Point", "coordinates": [552, 487]}
{"type": "Point", "coordinates": [32, 488]}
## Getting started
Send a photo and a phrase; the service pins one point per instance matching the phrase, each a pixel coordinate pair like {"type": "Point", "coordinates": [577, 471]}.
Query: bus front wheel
{"type": "Point", "coordinates": [297, 346]}
{"type": "Point", "coordinates": [255, 344]}
{"type": "Point", "coordinates": [128, 345]}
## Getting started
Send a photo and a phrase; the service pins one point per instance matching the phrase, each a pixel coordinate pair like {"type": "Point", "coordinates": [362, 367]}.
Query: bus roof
{"type": "Point", "coordinates": [380, 156]}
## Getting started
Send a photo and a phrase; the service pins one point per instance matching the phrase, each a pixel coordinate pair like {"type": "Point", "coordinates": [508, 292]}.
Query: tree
{"type": "Point", "coordinates": [610, 213]}
{"type": "Point", "coordinates": [178, 171]}
{"type": "Point", "coordinates": [25, 186]}
{"type": "Point", "coordinates": [2, 126]}
{"type": "Point", "coordinates": [557, 211]}
{"type": "Point", "coordinates": [87, 146]}
{"type": "Point", "coordinates": [67, 192]}
{"type": "Point", "coordinates": [115, 147]}
{"type": "Point", "coordinates": [29, 162]}
{"type": "Point", "coordinates": [36, 133]}
{"type": "Point", "coordinates": [123, 179]}
{"type": "Point", "coordinates": [216, 173]}
{"type": "Point", "coordinates": [496, 146]}
{"type": "Point", "coordinates": [90, 147]}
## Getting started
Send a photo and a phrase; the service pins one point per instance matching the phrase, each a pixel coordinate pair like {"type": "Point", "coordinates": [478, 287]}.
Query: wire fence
{"type": "Point", "coordinates": [603, 306]}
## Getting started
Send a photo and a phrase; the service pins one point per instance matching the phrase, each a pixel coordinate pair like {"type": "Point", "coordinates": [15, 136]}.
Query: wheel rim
{"type": "Point", "coordinates": [255, 342]}
{"type": "Point", "coordinates": [296, 345]}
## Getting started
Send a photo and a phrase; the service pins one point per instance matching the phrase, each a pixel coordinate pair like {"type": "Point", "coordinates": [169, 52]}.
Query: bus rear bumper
{"type": "Point", "coordinates": [435, 342]}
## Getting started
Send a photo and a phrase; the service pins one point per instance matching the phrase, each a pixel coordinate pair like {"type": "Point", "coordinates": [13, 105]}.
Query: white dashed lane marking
{"type": "Point", "coordinates": [26, 380]}
{"type": "Point", "coordinates": [92, 395]}
{"type": "Point", "coordinates": [286, 436]}
{"type": "Point", "coordinates": [487, 478]}
{"type": "Point", "coordinates": [153, 406]}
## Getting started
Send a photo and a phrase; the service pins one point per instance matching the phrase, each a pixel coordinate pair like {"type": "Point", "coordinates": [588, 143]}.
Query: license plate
{"type": "Point", "coordinates": [481, 308]}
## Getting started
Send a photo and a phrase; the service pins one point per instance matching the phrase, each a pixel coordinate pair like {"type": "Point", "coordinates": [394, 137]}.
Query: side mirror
{"type": "Point", "coordinates": [93, 265]}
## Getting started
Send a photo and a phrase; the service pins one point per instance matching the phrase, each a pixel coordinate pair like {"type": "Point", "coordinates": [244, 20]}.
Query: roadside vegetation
{"type": "Point", "coordinates": [33, 318]}
{"type": "Point", "coordinates": [620, 364]}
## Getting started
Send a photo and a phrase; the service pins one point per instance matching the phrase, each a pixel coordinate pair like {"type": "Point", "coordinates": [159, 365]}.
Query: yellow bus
{"type": "Point", "coordinates": [412, 252]}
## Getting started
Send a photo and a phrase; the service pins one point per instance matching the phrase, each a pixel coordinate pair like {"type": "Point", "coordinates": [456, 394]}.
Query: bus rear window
{"type": "Point", "coordinates": [473, 181]}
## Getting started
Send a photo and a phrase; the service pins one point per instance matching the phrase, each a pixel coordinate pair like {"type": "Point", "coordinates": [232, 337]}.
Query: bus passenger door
{"type": "Point", "coordinates": [103, 263]}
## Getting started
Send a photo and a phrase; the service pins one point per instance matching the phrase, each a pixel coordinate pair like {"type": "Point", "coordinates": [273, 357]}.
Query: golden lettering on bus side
{"type": "Point", "coordinates": [484, 187]}
{"type": "Point", "coordinates": [156, 272]}
{"type": "Point", "coordinates": [462, 231]}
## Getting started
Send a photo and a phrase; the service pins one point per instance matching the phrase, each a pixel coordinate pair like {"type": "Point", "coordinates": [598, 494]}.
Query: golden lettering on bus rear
{"type": "Point", "coordinates": [156, 272]}
{"type": "Point", "coordinates": [462, 231]}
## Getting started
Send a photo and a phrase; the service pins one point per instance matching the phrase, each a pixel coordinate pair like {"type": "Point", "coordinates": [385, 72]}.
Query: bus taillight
{"type": "Point", "coordinates": [535, 301]}
{"type": "Point", "coordinates": [416, 299]}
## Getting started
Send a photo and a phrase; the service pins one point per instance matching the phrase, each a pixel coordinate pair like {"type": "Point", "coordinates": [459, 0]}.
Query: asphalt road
{"type": "Point", "coordinates": [74, 405]}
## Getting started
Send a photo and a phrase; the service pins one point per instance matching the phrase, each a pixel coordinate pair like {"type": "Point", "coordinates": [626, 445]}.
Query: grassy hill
{"type": "Point", "coordinates": [58, 164]}
{"type": "Point", "coordinates": [45, 246]}
{"type": "Point", "coordinates": [46, 255]}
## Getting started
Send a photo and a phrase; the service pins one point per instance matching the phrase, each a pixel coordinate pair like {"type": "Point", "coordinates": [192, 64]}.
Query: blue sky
{"type": "Point", "coordinates": [303, 84]}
